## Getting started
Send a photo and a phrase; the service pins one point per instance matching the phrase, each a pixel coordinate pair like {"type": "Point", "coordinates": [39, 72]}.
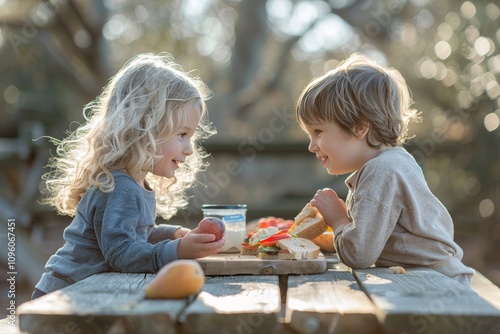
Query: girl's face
{"type": "Point", "coordinates": [339, 151]}
{"type": "Point", "coordinates": [175, 150]}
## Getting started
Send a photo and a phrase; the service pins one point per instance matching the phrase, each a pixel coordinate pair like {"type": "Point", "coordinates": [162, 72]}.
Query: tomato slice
{"type": "Point", "coordinates": [272, 239]}
{"type": "Point", "coordinates": [246, 245]}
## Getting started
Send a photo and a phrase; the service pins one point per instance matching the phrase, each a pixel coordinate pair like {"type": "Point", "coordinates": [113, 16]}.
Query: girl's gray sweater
{"type": "Point", "coordinates": [111, 232]}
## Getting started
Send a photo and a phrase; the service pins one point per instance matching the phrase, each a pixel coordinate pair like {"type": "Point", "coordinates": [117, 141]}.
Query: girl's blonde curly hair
{"type": "Point", "coordinates": [140, 108]}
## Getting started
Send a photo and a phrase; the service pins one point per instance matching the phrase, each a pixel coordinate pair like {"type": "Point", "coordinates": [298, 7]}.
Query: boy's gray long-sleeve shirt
{"type": "Point", "coordinates": [113, 231]}
{"type": "Point", "coordinates": [396, 220]}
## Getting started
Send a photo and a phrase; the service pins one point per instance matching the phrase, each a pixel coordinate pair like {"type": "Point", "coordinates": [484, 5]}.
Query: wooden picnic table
{"type": "Point", "coordinates": [338, 300]}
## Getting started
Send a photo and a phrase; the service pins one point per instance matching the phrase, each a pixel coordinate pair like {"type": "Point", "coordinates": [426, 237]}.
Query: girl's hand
{"type": "Point", "coordinates": [181, 232]}
{"type": "Point", "coordinates": [194, 245]}
{"type": "Point", "coordinates": [331, 207]}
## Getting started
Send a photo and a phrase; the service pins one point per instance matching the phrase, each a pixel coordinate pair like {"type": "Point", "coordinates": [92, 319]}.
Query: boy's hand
{"type": "Point", "coordinates": [194, 245]}
{"type": "Point", "coordinates": [331, 207]}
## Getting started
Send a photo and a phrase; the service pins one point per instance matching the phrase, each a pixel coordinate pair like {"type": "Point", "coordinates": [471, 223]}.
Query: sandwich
{"type": "Point", "coordinates": [291, 248]}
{"type": "Point", "coordinates": [268, 248]}
{"type": "Point", "coordinates": [308, 224]}
{"type": "Point", "coordinates": [294, 243]}
{"type": "Point", "coordinates": [251, 243]}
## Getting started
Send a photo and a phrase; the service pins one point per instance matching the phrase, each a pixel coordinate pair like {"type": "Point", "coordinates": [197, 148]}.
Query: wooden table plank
{"type": "Point", "coordinates": [425, 301]}
{"type": "Point", "coordinates": [237, 264]}
{"type": "Point", "coordinates": [486, 290]}
{"type": "Point", "coordinates": [331, 302]}
{"type": "Point", "coordinates": [234, 304]}
{"type": "Point", "coordinates": [103, 303]}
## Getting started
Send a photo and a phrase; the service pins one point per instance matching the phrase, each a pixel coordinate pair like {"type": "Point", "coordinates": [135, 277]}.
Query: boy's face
{"type": "Point", "coordinates": [339, 151]}
{"type": "Point", "coordinates": [175, 150]}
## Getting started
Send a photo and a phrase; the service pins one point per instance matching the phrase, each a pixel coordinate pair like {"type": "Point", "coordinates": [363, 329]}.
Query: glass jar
{"type": "Point", "coordinates": [234, 216]}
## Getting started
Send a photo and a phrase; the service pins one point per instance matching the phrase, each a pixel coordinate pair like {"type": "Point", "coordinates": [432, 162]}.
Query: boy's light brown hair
{"type": "Point", "coordinates": [360, 93]}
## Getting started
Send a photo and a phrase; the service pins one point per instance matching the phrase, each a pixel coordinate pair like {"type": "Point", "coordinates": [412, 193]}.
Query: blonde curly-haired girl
{"type": "Point", "coordinates": [131, 160]}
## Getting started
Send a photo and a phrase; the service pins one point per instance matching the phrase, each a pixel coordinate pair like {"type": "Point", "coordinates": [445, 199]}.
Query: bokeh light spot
{"type": "Point", "coordinates": [141, 13]}
{"type": "Point", "coordinates": [472, 34]}
{"type": "Point", "coordinates": [428, 69]}
{"type": "Point", "coordinates": [492, 11]}
{"type": "Point", "coordinates": [494, 64]}
{"type": "Point", "coordinates": [464, 99]}
{"type": "Point", "coordinates": [482, 46]}
{"type": "Point", "coordinates": [330, 65]}
{"type": "Point", "coordinates": [445, 31]}
{"type": "Point", "coordinates": [493, 89]}
{"type": "Point", "coordinates": [11, 94]}
{"type": "Point", "coordinates": [491, 122]}
{"type": "Point", "coordinates": [82, 39]}
{"type": "Point", "coordinates": [409, 34]}
{"type": "Point", "coordinates": [442, 49]}
{"type": "Point", "coordinates": [486, 208]}
{"type": "Point", "coordinates": [424, 19]}
{"type": "Point", "coordinates": [468, 9]}
{"type": "Point", "coordinates": [472, 186]}
{"type": "Point", "coordinates": [114, 27]}
{"type": "Point", "coordinates": [453, 19]}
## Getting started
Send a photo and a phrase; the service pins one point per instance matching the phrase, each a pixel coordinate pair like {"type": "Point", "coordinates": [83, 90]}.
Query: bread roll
{"type": "Point", "coordinates": [325, 242]}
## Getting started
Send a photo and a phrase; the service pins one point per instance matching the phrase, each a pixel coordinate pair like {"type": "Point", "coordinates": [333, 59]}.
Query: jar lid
{"type": "Point", "coordinates": [224, 207]}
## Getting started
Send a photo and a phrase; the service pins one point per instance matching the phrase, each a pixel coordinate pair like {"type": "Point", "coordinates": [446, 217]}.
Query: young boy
{"type": "Point", "coordinates": [357, 117]}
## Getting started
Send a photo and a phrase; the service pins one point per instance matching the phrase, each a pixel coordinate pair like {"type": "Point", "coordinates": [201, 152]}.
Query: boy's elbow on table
{"type": "Point", "coordinates": [358, 263]}
{"type": "Point", "coordinates": [356, 258]}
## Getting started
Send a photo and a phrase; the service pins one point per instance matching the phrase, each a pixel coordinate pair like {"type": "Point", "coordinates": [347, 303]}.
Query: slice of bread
{"type": "Point", "coordinates": [309, 223]}
{"type": "Point", "coordinates": [308, 211]}
{"type": "Point", "coordinates": [277, 256]}
{"type": "Point", "coordinates": [310, 228]}
{"type": "Point", "coordinates": [249, 251]}
{"type": "Point", "coordinates": [300, 248]}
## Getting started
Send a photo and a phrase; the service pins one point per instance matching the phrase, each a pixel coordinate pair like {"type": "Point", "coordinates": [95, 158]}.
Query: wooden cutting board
{"type": "Point", "coordinates": [237, 264]}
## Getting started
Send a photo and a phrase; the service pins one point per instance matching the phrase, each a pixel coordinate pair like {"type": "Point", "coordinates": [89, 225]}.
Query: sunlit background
{"type": "Point", "coordinates": [256, 56]}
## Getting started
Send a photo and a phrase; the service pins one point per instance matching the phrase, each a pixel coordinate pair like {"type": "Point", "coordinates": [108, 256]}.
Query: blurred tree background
{"type": "Point", "coordinates": [256, 56]}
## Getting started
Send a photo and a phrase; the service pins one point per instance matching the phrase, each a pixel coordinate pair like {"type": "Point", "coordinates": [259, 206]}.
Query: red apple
{"type": "Point", "coordinates": [212, 225]}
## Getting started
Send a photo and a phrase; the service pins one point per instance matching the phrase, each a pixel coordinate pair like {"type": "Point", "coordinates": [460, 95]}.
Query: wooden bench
{"type": "Point", "coordinates": [339, 300]}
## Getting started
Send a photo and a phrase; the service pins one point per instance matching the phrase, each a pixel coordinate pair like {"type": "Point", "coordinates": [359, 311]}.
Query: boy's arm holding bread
{"type": "Point", "coordinates": [332, 208]}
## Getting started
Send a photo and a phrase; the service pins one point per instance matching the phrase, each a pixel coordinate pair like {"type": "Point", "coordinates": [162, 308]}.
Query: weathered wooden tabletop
{"type": "Point", "coordinates": [338, 300]}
